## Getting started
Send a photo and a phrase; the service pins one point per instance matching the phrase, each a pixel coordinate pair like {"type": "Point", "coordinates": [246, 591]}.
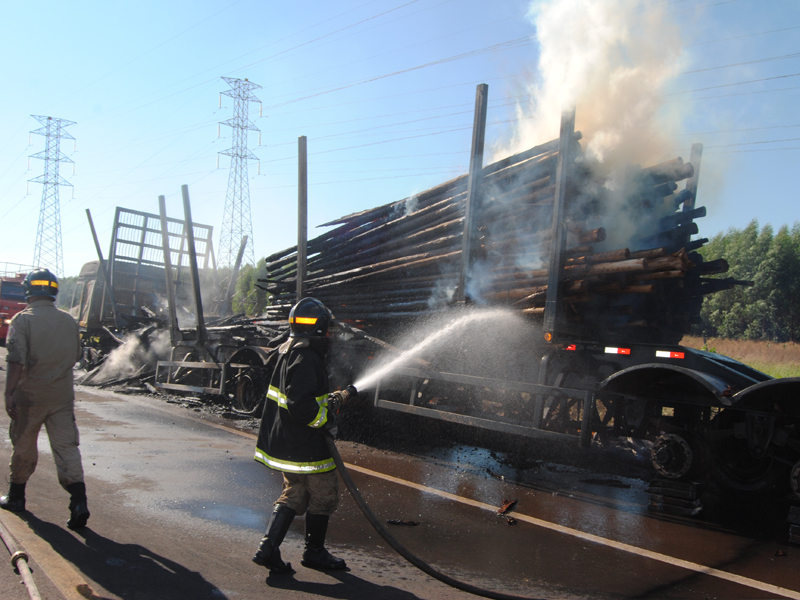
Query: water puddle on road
{"type": "Point", "coordinates": [230, 514]}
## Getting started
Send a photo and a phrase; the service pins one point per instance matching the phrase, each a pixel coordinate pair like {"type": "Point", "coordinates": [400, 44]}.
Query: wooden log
{"type": "Point", "coordinates": [711, 267]}
{"type": "Point", "coordinates": [576, 250]}
{"type": "Point", "coordinates": [622, 266]}
{"type": "Point", "coordinates": [509, 179]}
{"type": "Point", "coordinates": [671, 236]}
{"type": "Point", "coordinates": [609, 256]}
{"type": "Point", "coordinates": [517, 194]}
{"type": "Point", "coordinates": [652, 253]}
{"type": "Point", "coordinates": [660, 275]}
{"type": "Point", "coordinates": [594, 235]}
{"type": "Point", "coordinates": [668, 263]}
{"type": "Point", "coordinates": [681, 218]}
{"type": "Point", "coordinates": [671, 170]}
{"type": "Point", "coordinates": [376, 267]}
{"type": "Point", "coordinates": [407, 266]}
{"type": "Point", "coordinates": [616, 288]}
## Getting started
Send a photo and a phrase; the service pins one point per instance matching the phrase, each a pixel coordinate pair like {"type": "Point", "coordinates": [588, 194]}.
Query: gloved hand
{"type": "Point", "coordinates": [331, 425]}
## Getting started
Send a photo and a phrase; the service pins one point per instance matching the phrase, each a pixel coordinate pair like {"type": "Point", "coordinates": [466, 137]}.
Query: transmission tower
{"type": "Point", "coordinates": [236, 221]}
{"type": "Point", "coordinates": [47, 252]}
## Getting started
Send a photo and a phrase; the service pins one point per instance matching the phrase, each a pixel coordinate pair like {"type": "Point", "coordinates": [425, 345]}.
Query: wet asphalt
{"type": "Point", "coordinates": [179, 505]}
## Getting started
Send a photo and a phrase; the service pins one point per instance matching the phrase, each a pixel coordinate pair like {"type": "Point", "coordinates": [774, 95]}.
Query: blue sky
{"type": "Point", "coordinates": [384, 91]}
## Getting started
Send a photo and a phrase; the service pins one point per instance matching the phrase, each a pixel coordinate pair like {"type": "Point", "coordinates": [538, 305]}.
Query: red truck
{"type": "Point", "coordinates": [12, 300]}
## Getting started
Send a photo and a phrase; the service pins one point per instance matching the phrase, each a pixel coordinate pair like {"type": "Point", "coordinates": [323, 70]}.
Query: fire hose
{"type": "Point", "coordinates": [19, 561]}
{"type": "Point", "coordinates": [341, 397]}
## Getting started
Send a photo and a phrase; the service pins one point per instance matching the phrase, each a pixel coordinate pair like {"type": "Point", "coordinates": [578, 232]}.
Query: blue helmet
{"type": "Point", "coordinates": [41, 283]}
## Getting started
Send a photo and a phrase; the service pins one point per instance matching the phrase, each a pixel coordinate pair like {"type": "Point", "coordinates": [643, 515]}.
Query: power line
{"type": "Point", "coordinates": [749, 93]}
{"type": "Point", "coordinates": [739, 37]}
{"type": "Point", "coordinates": [143, 54]}
{"type": "Point", "coordinates": [752, 62]}
{"type": "Point", "coordinates": [386, 12]}
{"type": "Point", "coordinates": [714, 87]}
{"type": "Point", "coordinates": [741, 130]}
{"type": "Point", "coordinates": [515, 43]}
{"type": "Point", "coordinates": [753, 143]}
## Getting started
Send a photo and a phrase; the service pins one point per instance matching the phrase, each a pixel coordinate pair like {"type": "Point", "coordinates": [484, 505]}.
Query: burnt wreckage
{"type": "Point", "coordinates": [610, 282]}
{"type": "Point", "coordinates": [607, 280]}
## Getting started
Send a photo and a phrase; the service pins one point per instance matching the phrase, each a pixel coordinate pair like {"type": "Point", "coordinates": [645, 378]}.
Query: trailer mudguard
{"type": "Point", "coordinates": [250, 355]}
{"type": "Point", "coordinates": [780, 396]}
{"type": "Point", "coordinates": [669, 383]}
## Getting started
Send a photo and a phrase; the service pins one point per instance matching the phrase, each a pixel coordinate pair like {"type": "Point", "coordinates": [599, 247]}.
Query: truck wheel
{"type": "Point", "coordinates": [735, 467]}
{"type": "Point", "coordinates": [794, 479]}
{"type": "Point", "coordinates": [680, 455]}
{"type": "Point", "coordinates": [250, 384]}
{"type": "Point", "coordinates": [672, 456]}
{"type": "Point", "coordinates": [248, 397]}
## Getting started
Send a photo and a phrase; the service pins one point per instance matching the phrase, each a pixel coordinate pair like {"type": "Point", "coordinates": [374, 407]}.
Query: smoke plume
{"type": "Point", "coordinates": [611, 60]}
{"type": "Point", "coordinates": [137, 351]}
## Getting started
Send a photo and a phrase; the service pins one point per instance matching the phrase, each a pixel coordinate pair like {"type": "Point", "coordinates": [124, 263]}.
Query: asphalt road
{"type": "Point", "coordinates": [179, 505]}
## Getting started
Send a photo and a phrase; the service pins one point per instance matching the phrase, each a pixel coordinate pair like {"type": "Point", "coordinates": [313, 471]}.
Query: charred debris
{"type": "Point", "coordinates": [141, 310]}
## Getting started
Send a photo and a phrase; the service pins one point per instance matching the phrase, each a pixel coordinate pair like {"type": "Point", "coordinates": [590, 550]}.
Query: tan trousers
{"type": "Point", "coordinates": [59, 421]}
{"type": "Point", "coordinates": [318, 493]}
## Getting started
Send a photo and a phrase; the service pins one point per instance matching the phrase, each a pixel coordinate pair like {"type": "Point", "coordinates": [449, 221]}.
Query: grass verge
{"type": "Point", "coordinates": [773, 358]}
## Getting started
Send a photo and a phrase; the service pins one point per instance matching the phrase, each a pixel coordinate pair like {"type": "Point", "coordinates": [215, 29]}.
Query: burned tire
{"type": "Point", "coordinates": [248, 398]}
{"type": "Point", "coordinates": [250, 385]}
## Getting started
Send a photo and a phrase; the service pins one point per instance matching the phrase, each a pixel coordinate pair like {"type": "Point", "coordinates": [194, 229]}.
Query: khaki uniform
{"type": "Point", "coordinates": [46, 342]}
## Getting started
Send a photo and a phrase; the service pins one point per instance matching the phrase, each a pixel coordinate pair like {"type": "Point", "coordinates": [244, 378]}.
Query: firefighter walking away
{"type": "Point", "coordinates": [43, 346]}
{"type": "Point", "coordinates": [298, 414]}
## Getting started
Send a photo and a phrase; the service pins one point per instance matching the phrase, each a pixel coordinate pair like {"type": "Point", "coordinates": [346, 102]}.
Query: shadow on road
{"type": "Point", "coordinates": [125, 570]}
{"type": "Point", "coordinates": [348, 587]}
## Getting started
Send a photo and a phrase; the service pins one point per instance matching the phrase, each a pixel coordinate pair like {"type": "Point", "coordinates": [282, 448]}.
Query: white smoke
{"type": "Point", "coordinates": [129, 358]}
{"type": "Point", "coordinates": [612, 60]}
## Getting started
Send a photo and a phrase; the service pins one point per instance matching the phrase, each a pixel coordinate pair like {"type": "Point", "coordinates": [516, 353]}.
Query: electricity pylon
{"type": "Point", "coordinates": [47, 252]}
{"type": "Point", "coordinates": [236, 220]}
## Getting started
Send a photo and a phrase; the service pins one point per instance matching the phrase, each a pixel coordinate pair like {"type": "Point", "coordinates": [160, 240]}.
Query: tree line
{"type": "Point", "coordinates": [770, 308]}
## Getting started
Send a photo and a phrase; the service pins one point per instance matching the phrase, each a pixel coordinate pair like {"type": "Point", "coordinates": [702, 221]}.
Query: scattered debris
{"type": "Point", "coordinates": [511, 520]}
{"type": "Point", "coordinates": [675, 497]}
{"type": "Point", "coordinates": [508, 506]}
{"type": "Point", "coordinates": [607, 482]}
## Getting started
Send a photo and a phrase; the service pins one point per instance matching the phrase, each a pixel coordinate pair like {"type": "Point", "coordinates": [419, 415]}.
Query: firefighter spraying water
{"type": "Point", "coordinates": [298, 415]}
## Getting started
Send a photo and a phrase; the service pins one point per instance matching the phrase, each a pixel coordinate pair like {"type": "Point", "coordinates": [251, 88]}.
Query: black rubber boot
{"type": "Point", "coordinates": [15, 500]}
{"type": "Point", "coordinates": [315, 555]}
{"type": "Point", "coordinates": [78, 508]}
{"type": "Point", "coordinates": [269, 554]}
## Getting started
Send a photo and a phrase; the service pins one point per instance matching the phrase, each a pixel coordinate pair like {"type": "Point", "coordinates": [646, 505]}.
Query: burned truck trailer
{"type": "Point", "coordinates": [608, 279]}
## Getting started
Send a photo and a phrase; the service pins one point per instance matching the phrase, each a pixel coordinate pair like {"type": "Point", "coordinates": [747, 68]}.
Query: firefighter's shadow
{"type": "Point", "coordinates": [346, 587]}
{"type": "Point", "coordinates": [125, 570]}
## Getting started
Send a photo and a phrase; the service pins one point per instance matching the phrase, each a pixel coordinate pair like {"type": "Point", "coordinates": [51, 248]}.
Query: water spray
{"type": "Point", "coordinates": [370, 379]}
{"type": "Point", "coordinates": [338, 398]}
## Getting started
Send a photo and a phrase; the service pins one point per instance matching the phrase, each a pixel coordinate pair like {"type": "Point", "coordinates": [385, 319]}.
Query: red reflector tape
{"type": "Point", "coordinates": [668, 354]}
{"type": "Point", "coordinates": [618, 350]}
{"type": "Point", "coordinates": [571, 347]}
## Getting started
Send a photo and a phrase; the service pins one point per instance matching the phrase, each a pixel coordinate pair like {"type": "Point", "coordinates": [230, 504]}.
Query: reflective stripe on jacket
{"type": "Point", "coordinates": [291, 438]}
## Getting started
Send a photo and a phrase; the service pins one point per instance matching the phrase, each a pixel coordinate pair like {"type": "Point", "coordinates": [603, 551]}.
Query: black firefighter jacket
{"type": "Point", "coordinates": [291, 437]}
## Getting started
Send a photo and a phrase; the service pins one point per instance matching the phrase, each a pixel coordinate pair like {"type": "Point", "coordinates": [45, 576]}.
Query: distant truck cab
{"type": "Point", "coordinates": [12, 301]}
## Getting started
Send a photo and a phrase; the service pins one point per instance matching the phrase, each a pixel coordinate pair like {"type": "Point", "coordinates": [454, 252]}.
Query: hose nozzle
{"type": "Point", "coordinates": [344, 395]}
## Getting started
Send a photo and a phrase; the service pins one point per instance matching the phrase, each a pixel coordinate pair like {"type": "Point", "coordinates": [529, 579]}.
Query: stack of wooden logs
{"type": "Point", "coordinates": [402, 260]}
